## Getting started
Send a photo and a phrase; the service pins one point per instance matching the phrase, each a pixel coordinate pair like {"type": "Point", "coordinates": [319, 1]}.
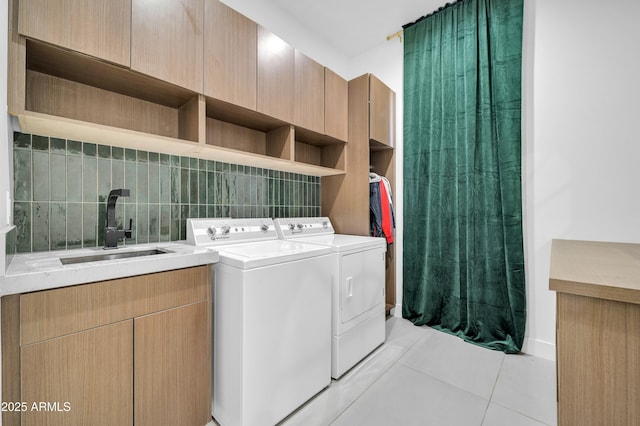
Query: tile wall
{"type": "Point", "coordinates": [61, 186]}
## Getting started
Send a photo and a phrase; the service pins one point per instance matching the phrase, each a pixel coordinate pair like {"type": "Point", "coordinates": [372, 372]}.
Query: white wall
{"type": "Point", "coordinates": [585, 160]}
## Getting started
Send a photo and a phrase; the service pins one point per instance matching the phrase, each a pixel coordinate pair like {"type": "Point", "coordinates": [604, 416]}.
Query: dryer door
{"type": "Point", "coordinates": [361, 283]}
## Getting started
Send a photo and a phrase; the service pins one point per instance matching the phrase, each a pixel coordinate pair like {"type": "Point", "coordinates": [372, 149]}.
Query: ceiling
{"type": "Point", "coordinates": [355, 26]}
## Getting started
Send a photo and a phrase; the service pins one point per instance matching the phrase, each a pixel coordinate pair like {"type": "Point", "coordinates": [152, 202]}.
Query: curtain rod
{"type": "Point", "coordinates": [447, 5]}
{"type": "Point", "coordinates": [394, 35]}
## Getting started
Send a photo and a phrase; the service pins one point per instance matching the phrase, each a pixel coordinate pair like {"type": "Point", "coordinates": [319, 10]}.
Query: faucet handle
{"type": "Point", "coordinates": [128, 232]}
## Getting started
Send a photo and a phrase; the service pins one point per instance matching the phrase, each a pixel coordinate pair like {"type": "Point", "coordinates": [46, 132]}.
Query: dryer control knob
{"type": "Point", "coordinates": [211, 230]}
{"type": "Point", "coordinates": [300, 226]}
{"type": "Point", "coordinates": [264, 227]}
{"type": "Point", "coordinates": [325, 224]}
{"type": "Point", "coordinates": [226, 229]}
{"type": "Point", "coordinates": [291, 226]}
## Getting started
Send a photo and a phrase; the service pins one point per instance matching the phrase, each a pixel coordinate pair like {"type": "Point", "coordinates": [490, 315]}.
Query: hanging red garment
{"type": "Point", "coordinates": [387, 225]}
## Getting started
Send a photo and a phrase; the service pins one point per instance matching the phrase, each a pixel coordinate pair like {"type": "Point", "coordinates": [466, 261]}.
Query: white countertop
{"type": "Point", "coordinates": [43, 270]}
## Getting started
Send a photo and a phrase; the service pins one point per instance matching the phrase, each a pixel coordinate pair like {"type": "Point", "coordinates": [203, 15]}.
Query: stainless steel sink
{"type": "Point", "coordinates": [112, 255]}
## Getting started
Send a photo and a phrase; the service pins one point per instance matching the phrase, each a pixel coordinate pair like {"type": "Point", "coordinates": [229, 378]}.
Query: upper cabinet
{"type": "Point", "coordinates": [336, 105]}
{"type": "Point", "coordinates": [309, 93]}
{"type": "Point", "coordinates": [275, 76]}
{"type": "Point", "coordinates": [97, 28]}
{"type": "Point", "coordinates": [230, 59]}
{"type": "Point", "coordinates": [167, 40]}
{"type": "Point", "coordinates": [194, 77]}
{"type": "Point", "coordinates": [382, 112]}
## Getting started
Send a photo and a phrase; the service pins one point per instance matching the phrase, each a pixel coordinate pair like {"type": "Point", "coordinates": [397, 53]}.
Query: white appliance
{"type": "Point", "coordinates": [271, 320]}
{"type": "Point", "coordinates": [358, 282]}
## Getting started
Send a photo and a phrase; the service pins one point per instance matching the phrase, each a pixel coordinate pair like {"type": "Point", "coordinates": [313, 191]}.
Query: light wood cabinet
{"type": "Point", "coordinates": [136, 348]}
{"type": "Point", "coordinates": [345, 199]}
{"type": "Point", "coordinates": [230, 59]}
{"type": "Point", "coordinates": [382, 113]}
{"type": "Point", "coordinates": [597, 335]}
{"type": "Point", "coordinates": [86, 376]}
{"type": "Point", "coordinates": [234, 103]}
{"type": "Point", "coordinates": [309, 102]}
{"type": "Point", "coordinates": [275, 76]}
{"type": "Point", "coordinates": [166, 340]}
{"type": "Point", "coordinates": [97, 28]}
{"type": "Point", "coordinates": [61, 83]}
{"type": "Point", "coordinates": [336, 105]}
{"type": "Point", "coordinates": [167, 41]}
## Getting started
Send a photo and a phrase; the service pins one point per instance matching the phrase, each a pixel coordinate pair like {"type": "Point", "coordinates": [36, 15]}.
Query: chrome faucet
{"type": "Point", "coordinates": [111, 232]}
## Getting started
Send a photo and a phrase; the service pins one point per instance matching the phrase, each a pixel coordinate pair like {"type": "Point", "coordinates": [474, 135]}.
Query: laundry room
{"type": "Point", "coordinates": [230, 212]}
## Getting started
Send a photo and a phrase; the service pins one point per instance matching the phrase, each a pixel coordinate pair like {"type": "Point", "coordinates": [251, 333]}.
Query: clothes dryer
{"type": "Point", "coordinates": [271, 320]}
{"type": "Point", "coordinates": [358, 287]}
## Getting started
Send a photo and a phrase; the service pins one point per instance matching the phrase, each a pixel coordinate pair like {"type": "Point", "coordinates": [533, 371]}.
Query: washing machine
{"type": "Point", "coordinates": [271, 320]}
{"type": "Point", "coordinates": [358, 287]}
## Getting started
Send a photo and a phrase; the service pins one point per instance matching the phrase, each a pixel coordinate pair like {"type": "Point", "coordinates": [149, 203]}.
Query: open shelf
{"type": "Point", "coordinates": [332, 156]}
{"type": "Point", "coordinates": [87, 70]}
{"type": "Point", "coordinates": [233, 127]}
{"type": "Point", "coordinates": [60, 127]}
{"type": "Point", "coordinates": [75, 86]}
{"type": "Point", "coordinates": [377, 146]}
{"type": "Point", "coordinates": [74, 96]}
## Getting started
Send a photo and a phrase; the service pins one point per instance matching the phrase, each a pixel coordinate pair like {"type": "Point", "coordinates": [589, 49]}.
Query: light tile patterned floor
{"type": "Point", "coordinates": [424, 377]}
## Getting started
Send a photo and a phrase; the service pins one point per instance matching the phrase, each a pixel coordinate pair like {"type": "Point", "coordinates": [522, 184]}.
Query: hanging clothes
{"type": "Point", "coordinates": [381, 217]}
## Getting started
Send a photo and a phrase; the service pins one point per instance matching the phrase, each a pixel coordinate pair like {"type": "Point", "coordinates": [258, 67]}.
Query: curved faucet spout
{"type": "Point", "coordinates": [111, 232]}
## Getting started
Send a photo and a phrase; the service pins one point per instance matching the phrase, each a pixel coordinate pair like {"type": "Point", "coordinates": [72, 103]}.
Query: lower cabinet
{"type": "Point", "coordinates": [120, 352]}
{"type": "Point", "coordinates": [172, 347]}
{"type": "Point", "coordinates": [82, 378]}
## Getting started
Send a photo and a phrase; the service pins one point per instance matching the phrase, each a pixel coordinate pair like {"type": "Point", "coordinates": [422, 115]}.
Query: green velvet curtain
{"type": "Point", "coordinates": [463, 250]}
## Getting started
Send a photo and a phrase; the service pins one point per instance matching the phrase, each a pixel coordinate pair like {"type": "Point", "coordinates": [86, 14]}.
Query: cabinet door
{"type": "Point", "coordinates": [336, 105]}
{"type": "Point", "coordinates": [230, 58]}
{"type": "Point", "coordinates": [173, 367]}
{"type": "Point", "coordinates": [167, 40]}
{"type": "Point", "coordinates": [309, 93]}
{"type": "Point", "coordinates": [86, 378]}
{"type": "Point", "coordinates": [97, 28]}
{"type": "Point", "coordinates": [275, 76]}
{"type": "Point", "coordinates": [382, 112]}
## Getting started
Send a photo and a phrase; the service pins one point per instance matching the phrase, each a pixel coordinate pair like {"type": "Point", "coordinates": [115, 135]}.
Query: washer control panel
{"type": "Point", "coordinates": [303, 226]}
{"type": "Point", "coordinates": [216, 231]}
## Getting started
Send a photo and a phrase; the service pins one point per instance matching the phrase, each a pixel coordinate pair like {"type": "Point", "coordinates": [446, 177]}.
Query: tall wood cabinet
{"type": "Point", "coordinates": [131, 350]}
{"type": "Point", "coordinates": [345, 199]}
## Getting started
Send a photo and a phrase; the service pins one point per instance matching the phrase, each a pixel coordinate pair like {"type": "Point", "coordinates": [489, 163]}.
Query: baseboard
{"type": "Point", "coordinates": [397, 311]}
{"type": "Point", "coordinates": [539, 348]}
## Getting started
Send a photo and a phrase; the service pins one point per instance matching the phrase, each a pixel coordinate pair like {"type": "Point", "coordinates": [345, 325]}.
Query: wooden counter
{"type": "Point", "coordinates": [597, 331]}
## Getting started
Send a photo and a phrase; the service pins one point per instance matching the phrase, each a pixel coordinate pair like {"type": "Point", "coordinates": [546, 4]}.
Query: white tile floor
{"type": "Point", "coordinates": [424, 377]}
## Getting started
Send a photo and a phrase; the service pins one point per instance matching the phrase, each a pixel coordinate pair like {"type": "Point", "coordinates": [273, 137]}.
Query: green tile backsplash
{"type": "Point", "coordinates": [60, 190]}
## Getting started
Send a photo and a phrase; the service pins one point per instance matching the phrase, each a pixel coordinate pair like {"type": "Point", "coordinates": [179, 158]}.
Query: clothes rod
{"type": "Point", "coordinates": [394, 35]}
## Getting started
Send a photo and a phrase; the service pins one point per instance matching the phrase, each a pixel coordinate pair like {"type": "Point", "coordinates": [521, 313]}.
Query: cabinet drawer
{"type": "Point", "coordinates": [52, 313]}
